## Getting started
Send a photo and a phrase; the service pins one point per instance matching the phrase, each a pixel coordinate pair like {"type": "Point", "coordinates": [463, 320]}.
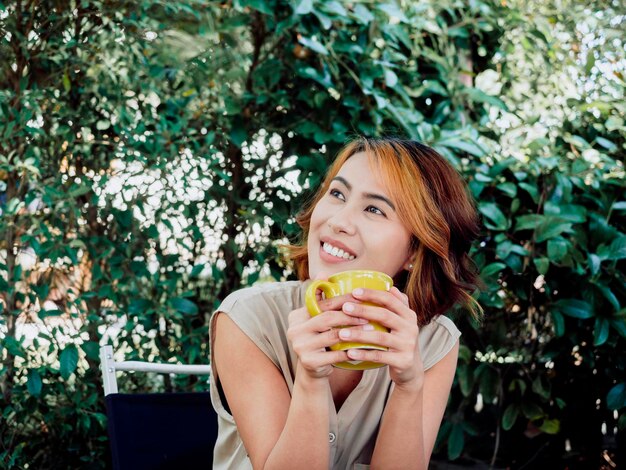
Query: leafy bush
{"type": "Point", "coordinates": [153, 156]}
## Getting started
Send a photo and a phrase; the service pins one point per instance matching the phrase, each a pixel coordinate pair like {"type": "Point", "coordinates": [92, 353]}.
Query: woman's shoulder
{"type": "Point", "coordinates": [287, 293]}
{"type": "Point", "coordinates": [436, 339]}
{"type": "Point", "coordinates": [445, 324]}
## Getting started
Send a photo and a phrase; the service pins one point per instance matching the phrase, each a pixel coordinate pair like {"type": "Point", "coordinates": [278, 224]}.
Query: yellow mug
{"type": "Point", "coordinates": [344, 283]}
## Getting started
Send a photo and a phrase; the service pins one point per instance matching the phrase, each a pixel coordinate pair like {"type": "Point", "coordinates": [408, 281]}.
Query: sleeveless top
{"type": "Point", "coordinates": [261, 312]}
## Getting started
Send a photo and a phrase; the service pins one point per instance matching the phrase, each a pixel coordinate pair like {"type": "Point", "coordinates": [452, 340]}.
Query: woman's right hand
{"type": "Point", "coordinates": [310, 336]}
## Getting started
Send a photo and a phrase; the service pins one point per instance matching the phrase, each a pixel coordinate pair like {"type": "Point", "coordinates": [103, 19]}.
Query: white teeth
{"type": "Point", "coordinates": [338, 252]}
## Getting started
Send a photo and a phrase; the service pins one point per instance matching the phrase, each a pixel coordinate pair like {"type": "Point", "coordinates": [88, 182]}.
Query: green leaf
{"type": "Point", "coordinates": [488, 381]}
{"type": "Point", "coordinates": [492, 269]}
{"type": "Point", "coordinates": [540, 388]}
{"type": "Point", "coordinates": [460, 32]}
{"type": "Point", "coordinates": [184, 305]}
{"type": "Point", "coordinates": [557, 249]}
{"type": "Point", "coordinates": [466, 380]}
{"type": "Point", "coordinates": [238, 134]}
{"type": "Point", "coordinates": [326, 21]}
{"type": "Point", "coordinates": [196, 270]}
{"type": "Point", "coordinates": [303, 7]}
{"type": "Point", "coordinates": [575, 308]}
{"type": "Point", "coordinates": [334, 8]}
{"type": "Point", "coordinates": [13, 346]}
{"type": "Point", "coordinates": [67, 85]}
{"type": "Point", "coordinates": [616, 398]}
{"type": "Point", "coordinates": [608, 295]}
{"type": "Point", "coordinates": [362, 14]}
{"type": "Point", "coordinates": [92, 349]}
{"type": "Point", "coordinates": [559, 323]}
{"type": "Point", "coordinates": [471, 428]}
{"type": "Point", "coordinates": [590, 62]}
{"type": "Point", "coordinates": [550, 426]}
{"type": "Point", "coordinates": [33, 383]}
{"type": "Point", "coordinates": [600, 331]}
{"type": "Point", "coordinates": [572, 213]}
{"type": "Point", "coordinates": [68, 360]}
{"type": "Point", "coordinates": [518, 384]}
{"type": "Point", "coordinates": [313, 44]}
{"type": "Point", "coordinates": [79, 190]}
{"type": "Point", "coordinates": [532, 411]}
{"type": "Point", "coordinates": [393, 11]}
{"type": "Point", "coordinates": [390, 77]}
{"type": "Point", "coordinates": [510, 416]}
{"type": "Point", "coordinates": [527, 222]}
{"type": "Point", "coordinates": [617, 249]}
{"type": "Point", "coordinates": [594, 264]}
{"type": "Point", "coordinates": [542, 265]}
{"type": "Point", "coordinates": [479, 96]}
{"type": "Point", "coordinates": [577, 140]}
{"type": "Point", "coordinates": [101, 418]}
{"type": "Point", "coordinates": [607, 144]}
{"type": "Point", "coordinates": [492, 212]}
{"type": "Point", "coordinates": [533, 191]}
{"type": "Point", "coordinates": [619, 324]}
{"type": "Point", "coordinates": [462, 146]}
{"type": "Point", "coordinates": [508, 188]}
{"type": "Point", "coordinates": [548, 229]}
{"type": "Point", "coordinates": [456, 441]}
{"type": "Point", "coordinates": [139, 306]}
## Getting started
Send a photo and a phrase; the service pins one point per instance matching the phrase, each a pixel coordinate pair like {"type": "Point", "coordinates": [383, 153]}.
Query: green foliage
{"type": "Point", "coordinates": [153, 156]}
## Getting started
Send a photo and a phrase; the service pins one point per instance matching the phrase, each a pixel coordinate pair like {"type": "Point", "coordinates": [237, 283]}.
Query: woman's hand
{"type": "Point", "coordinates": [310, 336]}
{"type": "Point", "coordinates": [391, 311]}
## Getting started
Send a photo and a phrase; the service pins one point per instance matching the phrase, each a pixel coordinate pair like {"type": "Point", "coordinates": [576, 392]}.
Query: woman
{"type": "Point", "coordinates": [387, 205]}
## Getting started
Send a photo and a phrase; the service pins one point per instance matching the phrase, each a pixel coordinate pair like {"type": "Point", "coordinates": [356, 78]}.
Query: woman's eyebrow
{"type": "Point", "coordinates": [343, 181]}
{"type": "Point", "coordinates": [379, 197]}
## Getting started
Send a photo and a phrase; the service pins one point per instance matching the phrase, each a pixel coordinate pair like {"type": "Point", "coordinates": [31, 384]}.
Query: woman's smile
{"type": "Point", "coordinates": [335, 252]}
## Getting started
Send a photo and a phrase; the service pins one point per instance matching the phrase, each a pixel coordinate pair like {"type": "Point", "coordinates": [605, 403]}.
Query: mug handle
{"type": "Point", "coordinates": [329, 289]}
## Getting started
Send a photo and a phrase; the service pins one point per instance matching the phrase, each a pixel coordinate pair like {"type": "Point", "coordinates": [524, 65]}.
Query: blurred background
{"type": "Point", "coordinates": [153, 155]}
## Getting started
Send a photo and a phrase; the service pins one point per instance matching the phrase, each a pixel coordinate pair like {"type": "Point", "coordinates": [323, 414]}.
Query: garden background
{"type": "Point", "coordinates": [153, 155]}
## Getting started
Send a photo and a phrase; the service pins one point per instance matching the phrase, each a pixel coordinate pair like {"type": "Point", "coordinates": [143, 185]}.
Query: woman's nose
{"type": "Point", "coordinates": [342, 223]}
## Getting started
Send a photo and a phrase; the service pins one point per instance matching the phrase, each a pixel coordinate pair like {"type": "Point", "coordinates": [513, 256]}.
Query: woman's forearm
{"type": "Point", "coordinates": [304, 440]}
{"type": "Point", "coordinates": [400, 442]}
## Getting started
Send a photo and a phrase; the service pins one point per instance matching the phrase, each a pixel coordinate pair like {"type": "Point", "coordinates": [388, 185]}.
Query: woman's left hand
{"type": "Point", "coordinates": [391, 311]}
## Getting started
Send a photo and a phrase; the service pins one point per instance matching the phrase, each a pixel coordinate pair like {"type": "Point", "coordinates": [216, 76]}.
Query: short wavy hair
{"type": "Point", "coordinates": [434, 204]}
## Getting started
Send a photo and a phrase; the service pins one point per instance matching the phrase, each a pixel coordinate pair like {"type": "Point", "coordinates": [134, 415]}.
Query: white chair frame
{"type": "Point", "coordinates": [110, 367]}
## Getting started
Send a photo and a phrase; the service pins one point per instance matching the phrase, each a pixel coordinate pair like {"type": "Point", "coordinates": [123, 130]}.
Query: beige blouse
{"type": "Point", "coordinates": [261, 312]}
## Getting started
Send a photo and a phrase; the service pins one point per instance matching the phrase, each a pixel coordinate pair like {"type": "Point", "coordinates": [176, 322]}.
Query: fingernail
{"type": "Point", "coordinates": [368, 327]}
{"type": "Point", "coordinates": [354, 353]}
{"type": "Point", "coordinates": [358, 291]}
{"type": "Point", "coordinates": [345, 333]}
{"type": "Point", "coordinates": [363, 320]}
{"type": "Point", "coordinates": [348, 307]}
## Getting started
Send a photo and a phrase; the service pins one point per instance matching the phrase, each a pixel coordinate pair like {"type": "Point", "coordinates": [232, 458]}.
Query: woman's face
{"type": "Point", "coordinates": [355, 225]}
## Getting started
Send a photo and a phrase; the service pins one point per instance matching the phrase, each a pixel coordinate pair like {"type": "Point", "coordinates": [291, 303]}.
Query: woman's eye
{"type": "Point", "coordinates": [338, 194]}
{"type": "Point", "coordinates": [375, 210]}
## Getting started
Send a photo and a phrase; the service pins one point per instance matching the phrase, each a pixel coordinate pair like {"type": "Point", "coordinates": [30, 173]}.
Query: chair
{"type": "Point", "coordinates": [157, 431]}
